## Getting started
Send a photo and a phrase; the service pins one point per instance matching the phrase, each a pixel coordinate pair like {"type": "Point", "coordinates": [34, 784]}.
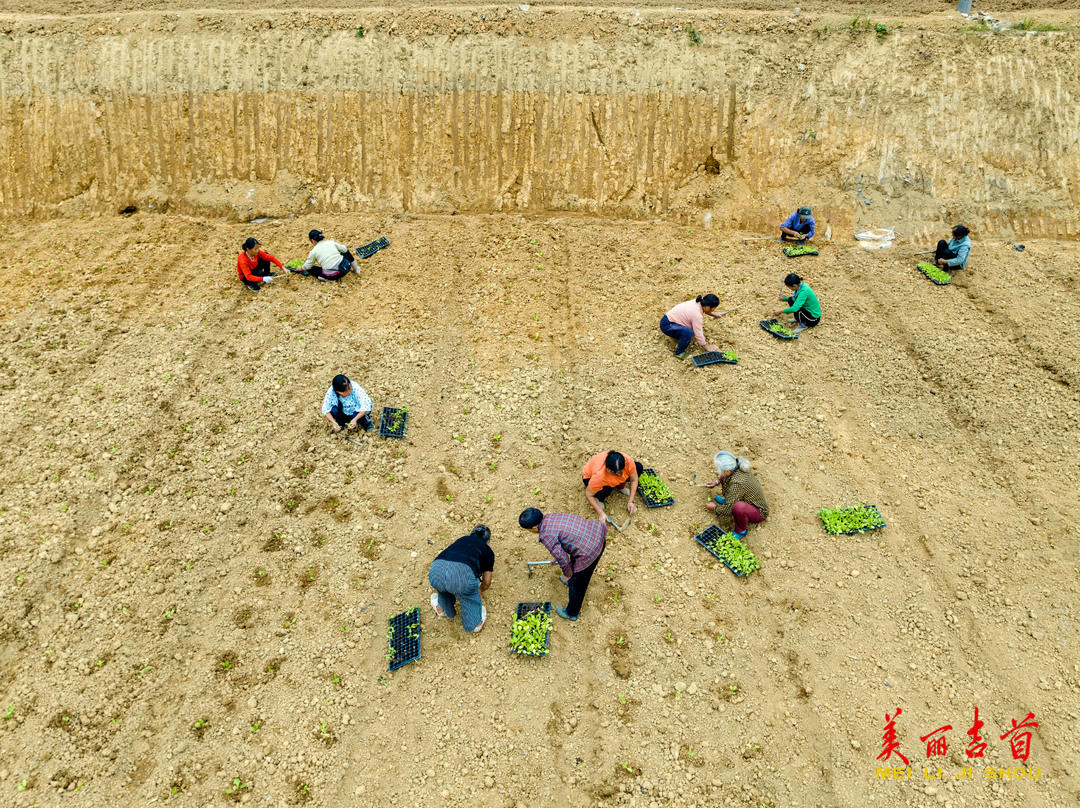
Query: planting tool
{"type": "Point", "coordinates": [529, 618]}
{"type": "Point", "coordinates": [616, 525]}
{"type": "Point", "coordinates": [721, 314]}
{"type": "Point", "coordinates": [373, 247]}
{"type": "Point", "coordinates": [342, 434]}
{"type": "Point", "coordinates": [759, 238]}
{"type": "Point", "coordinates": [403, 638]}
{"type": "Point", "coordinates": [647, 498]}
{"type": "Point", "coordinates": [696, 484]}
{"type": "Point", "coordinates": [530, 564]}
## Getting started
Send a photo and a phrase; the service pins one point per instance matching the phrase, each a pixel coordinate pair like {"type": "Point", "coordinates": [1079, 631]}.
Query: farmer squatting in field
{"type": "Point", "coordinates": [253, 265]}
{"type": "Point", "coordinates": [606, 472]}
{"type": "Point", "coordinates": [803, 304]}
{"type": "Point", "coordinates": [799, 226]}
{"type": "Point", "coordinates": [347, 405]}
{"type": "Point", "coordinates": [743, 501]}
{"type": "Point", "coordinates": [684, 322]}
{"type": "Point", "coordinates": [328, 259]}
{"type": "Point", "coordinates": [954, 253]}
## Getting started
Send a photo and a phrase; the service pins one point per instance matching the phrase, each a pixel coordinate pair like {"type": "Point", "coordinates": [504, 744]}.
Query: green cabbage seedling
{"type": "Point", "coordinates": [528, 634]}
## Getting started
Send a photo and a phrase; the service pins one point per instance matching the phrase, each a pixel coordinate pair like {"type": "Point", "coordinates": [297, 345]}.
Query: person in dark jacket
{"type": "Point", "coordinates": [253, 265]}
{"type": "Point", "coordinates": [953, 254]}
{"type": "Point", "coordinates": [462, 573]}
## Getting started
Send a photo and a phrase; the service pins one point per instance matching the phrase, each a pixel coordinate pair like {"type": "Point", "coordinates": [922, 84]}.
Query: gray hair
{"type": "Point", "coordinates": [726, 461]}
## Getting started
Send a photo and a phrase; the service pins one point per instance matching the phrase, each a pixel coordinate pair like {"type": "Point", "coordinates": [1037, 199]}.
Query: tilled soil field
{"type": "Point", "coordinates": [196, 575]}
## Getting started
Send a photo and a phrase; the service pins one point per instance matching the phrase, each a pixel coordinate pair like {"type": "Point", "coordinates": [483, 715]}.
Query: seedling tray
{"type": "Point", "coordinates": [403, 637]}
{"type": "Point", "coordinates": [386, 422]}
{"type": "Point", "coordinates": [373, 247]}
{"type": "Point", "coordinates": [649, 501]}
{"type": "Point", "coordinates": [766, 323]}
{"type": "Point", "coordinates": [524, 609]}
{"type": "Point", "coordinates": [795, 252]}
{"type": "Point", "coordinates": [932, 272]}
{"type": "Point", "coordinates": [705, 539]}
{"type": "Point", "coordinates": [874, 508]}
{"type": "Point", "coordinates": [712, 358]}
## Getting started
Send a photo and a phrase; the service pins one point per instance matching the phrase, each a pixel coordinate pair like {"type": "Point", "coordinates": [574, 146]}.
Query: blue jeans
{"type": "Point", "coordinates": [456, 581]}
{"type": "Point", "coordinates": [679, 332]}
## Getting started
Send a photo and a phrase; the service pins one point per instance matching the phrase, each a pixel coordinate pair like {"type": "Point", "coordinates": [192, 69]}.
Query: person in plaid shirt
{"type": "Point", "coordinates": [576, 544]}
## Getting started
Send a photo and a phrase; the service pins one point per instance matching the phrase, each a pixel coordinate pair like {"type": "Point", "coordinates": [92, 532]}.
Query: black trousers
{"type": "Point", "coordinates": [804, 319]}
{"type": "Point", "coordinates": [943, 251]}
{"type": "Point", "coordinates": [579, 584]}
{"type": "Point", "coordinates": [338, 272]}
{"type": "Point", "coordinates": [342, 419]}
{"type": "Point", "coordinates": [262, 269]}
{"type": "Point", "coordinates": [602, 494]}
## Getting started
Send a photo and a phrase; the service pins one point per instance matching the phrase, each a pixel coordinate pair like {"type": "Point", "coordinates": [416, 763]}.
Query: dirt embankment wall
{"type": "Point", "coordinates": [273, 113]}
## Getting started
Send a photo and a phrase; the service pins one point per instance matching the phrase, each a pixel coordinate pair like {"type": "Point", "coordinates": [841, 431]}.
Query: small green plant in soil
{"type": "Point", "coordinates": [934, 273]}
{"type": "Point", "coordinates": [237, 786]}
{"type": "Point", "coordinates": [857, 517]}
{"type": "Point", "coordinates": [528, 634]}
{"type": "Point", "coordinates": [738, 556]}
{"type": "Point", "coordinates": [776, 327]}
{"type": "Point", "coordinates": [693, 35]}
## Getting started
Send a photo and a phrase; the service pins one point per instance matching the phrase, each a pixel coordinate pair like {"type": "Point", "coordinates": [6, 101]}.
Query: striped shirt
{"type": "Point", "coordinates": [356, 401]}
{"type": "Point", "coordinates": [573, 542]}
{"type": "Point", "coordinates": [742, 486]}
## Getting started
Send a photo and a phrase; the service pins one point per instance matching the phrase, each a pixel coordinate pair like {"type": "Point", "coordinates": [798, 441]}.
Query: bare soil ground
{"type": "Point", "coordinates": [196, 576]}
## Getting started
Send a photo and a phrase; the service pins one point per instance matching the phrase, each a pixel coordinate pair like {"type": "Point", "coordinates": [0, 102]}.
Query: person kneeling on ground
{"type": "Point", "coordinates": [954, 254]}
{"type": "Point", "coordinates": [743, 500]}
{"type": "Point", "coordinates": [253, 265]}
{"type": "Point", "coordinates": [462, 572]}
{"type": "Point", "coordinates": [576, 544]}
{"type": "Point", "coordinates": [327, 261]}
{"type": "Point", "coordinates": [684, 322]}
{"type": "Point", "coordinates": [803, 304]}
{"type": "Point", "coordinates": [606, 472]}
{"type": "Point", "coordinates": [799, 226]}
{"type": "Point", "coordinates": [346, 405]}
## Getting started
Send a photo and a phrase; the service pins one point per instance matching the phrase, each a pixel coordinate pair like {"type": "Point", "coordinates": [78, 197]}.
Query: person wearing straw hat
{"type": "Point", "coordinates": [799, 226]}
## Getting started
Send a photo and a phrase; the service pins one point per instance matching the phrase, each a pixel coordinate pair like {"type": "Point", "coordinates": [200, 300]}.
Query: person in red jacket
{"type": "Point", "coordinates": [253, 265]}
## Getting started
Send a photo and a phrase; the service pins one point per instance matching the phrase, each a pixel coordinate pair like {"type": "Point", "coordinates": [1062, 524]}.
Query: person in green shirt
{"type": "Point", "coordinates": [803, 304]}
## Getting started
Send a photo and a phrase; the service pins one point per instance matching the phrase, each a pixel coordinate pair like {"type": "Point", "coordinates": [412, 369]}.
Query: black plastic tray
{"type": "Point", "coordinates": [406, 648]}
{"type": "Point", "coordinates": [524, 609]}
{"type": "Point", "coordinates": [862, 529]}
{"type": "Point", "coordinates": [388, 418]}
{"type": "Point", "coordinates": [712, 358]}
{"type": "Point", "coordinates": [798, 254]}
{"type": "Point", "coordinates": [765, 325]}
{"type": "Point", "coordinates": [649, 502]}
{"type": "Point", "coordinates": [713, 532]}
{"type": "Point", "coordinates": [939, 283]}
{"type": "Point", "coordinates": [373, 247]}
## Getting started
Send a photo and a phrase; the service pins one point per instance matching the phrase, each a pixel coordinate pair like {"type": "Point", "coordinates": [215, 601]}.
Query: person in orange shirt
{"type": "Point", "coordinates": [253, 265]}
{"type": "Point", "coordinates": [606, 472]}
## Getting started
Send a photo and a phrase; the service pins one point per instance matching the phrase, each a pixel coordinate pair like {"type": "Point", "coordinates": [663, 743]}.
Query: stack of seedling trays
{"type": "Point", "coordinates": [531, 629]}
{"type": "Point", "coordinates": [393, 422]}
{"type": "Point", "coordinates": [734, 554]}
{"type": "Point", "coordinates": [655, 493]}
{"type": "Point", "coordinates": [403, 638]}
{"type": "Point", "coordinates": [934, 273]}
{"type": "Point", "coordinates": [715, 357]}
{"type": "Point", "coordinates": [849, 521]}
{"type": "Point", "coordinates": [778, 329]}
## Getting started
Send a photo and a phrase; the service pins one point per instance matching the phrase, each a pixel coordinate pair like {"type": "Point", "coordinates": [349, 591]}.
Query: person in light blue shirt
{"type": "Point", "coordinates": [346, 404]}
{"type": "Point", "coordinates": [954, 253]}
{"type": "Point", "coordinates": [799, 226]}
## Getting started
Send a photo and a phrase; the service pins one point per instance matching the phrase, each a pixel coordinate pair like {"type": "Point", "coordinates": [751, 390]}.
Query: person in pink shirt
{"type": "Point", "coordinates": [684, 322]}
